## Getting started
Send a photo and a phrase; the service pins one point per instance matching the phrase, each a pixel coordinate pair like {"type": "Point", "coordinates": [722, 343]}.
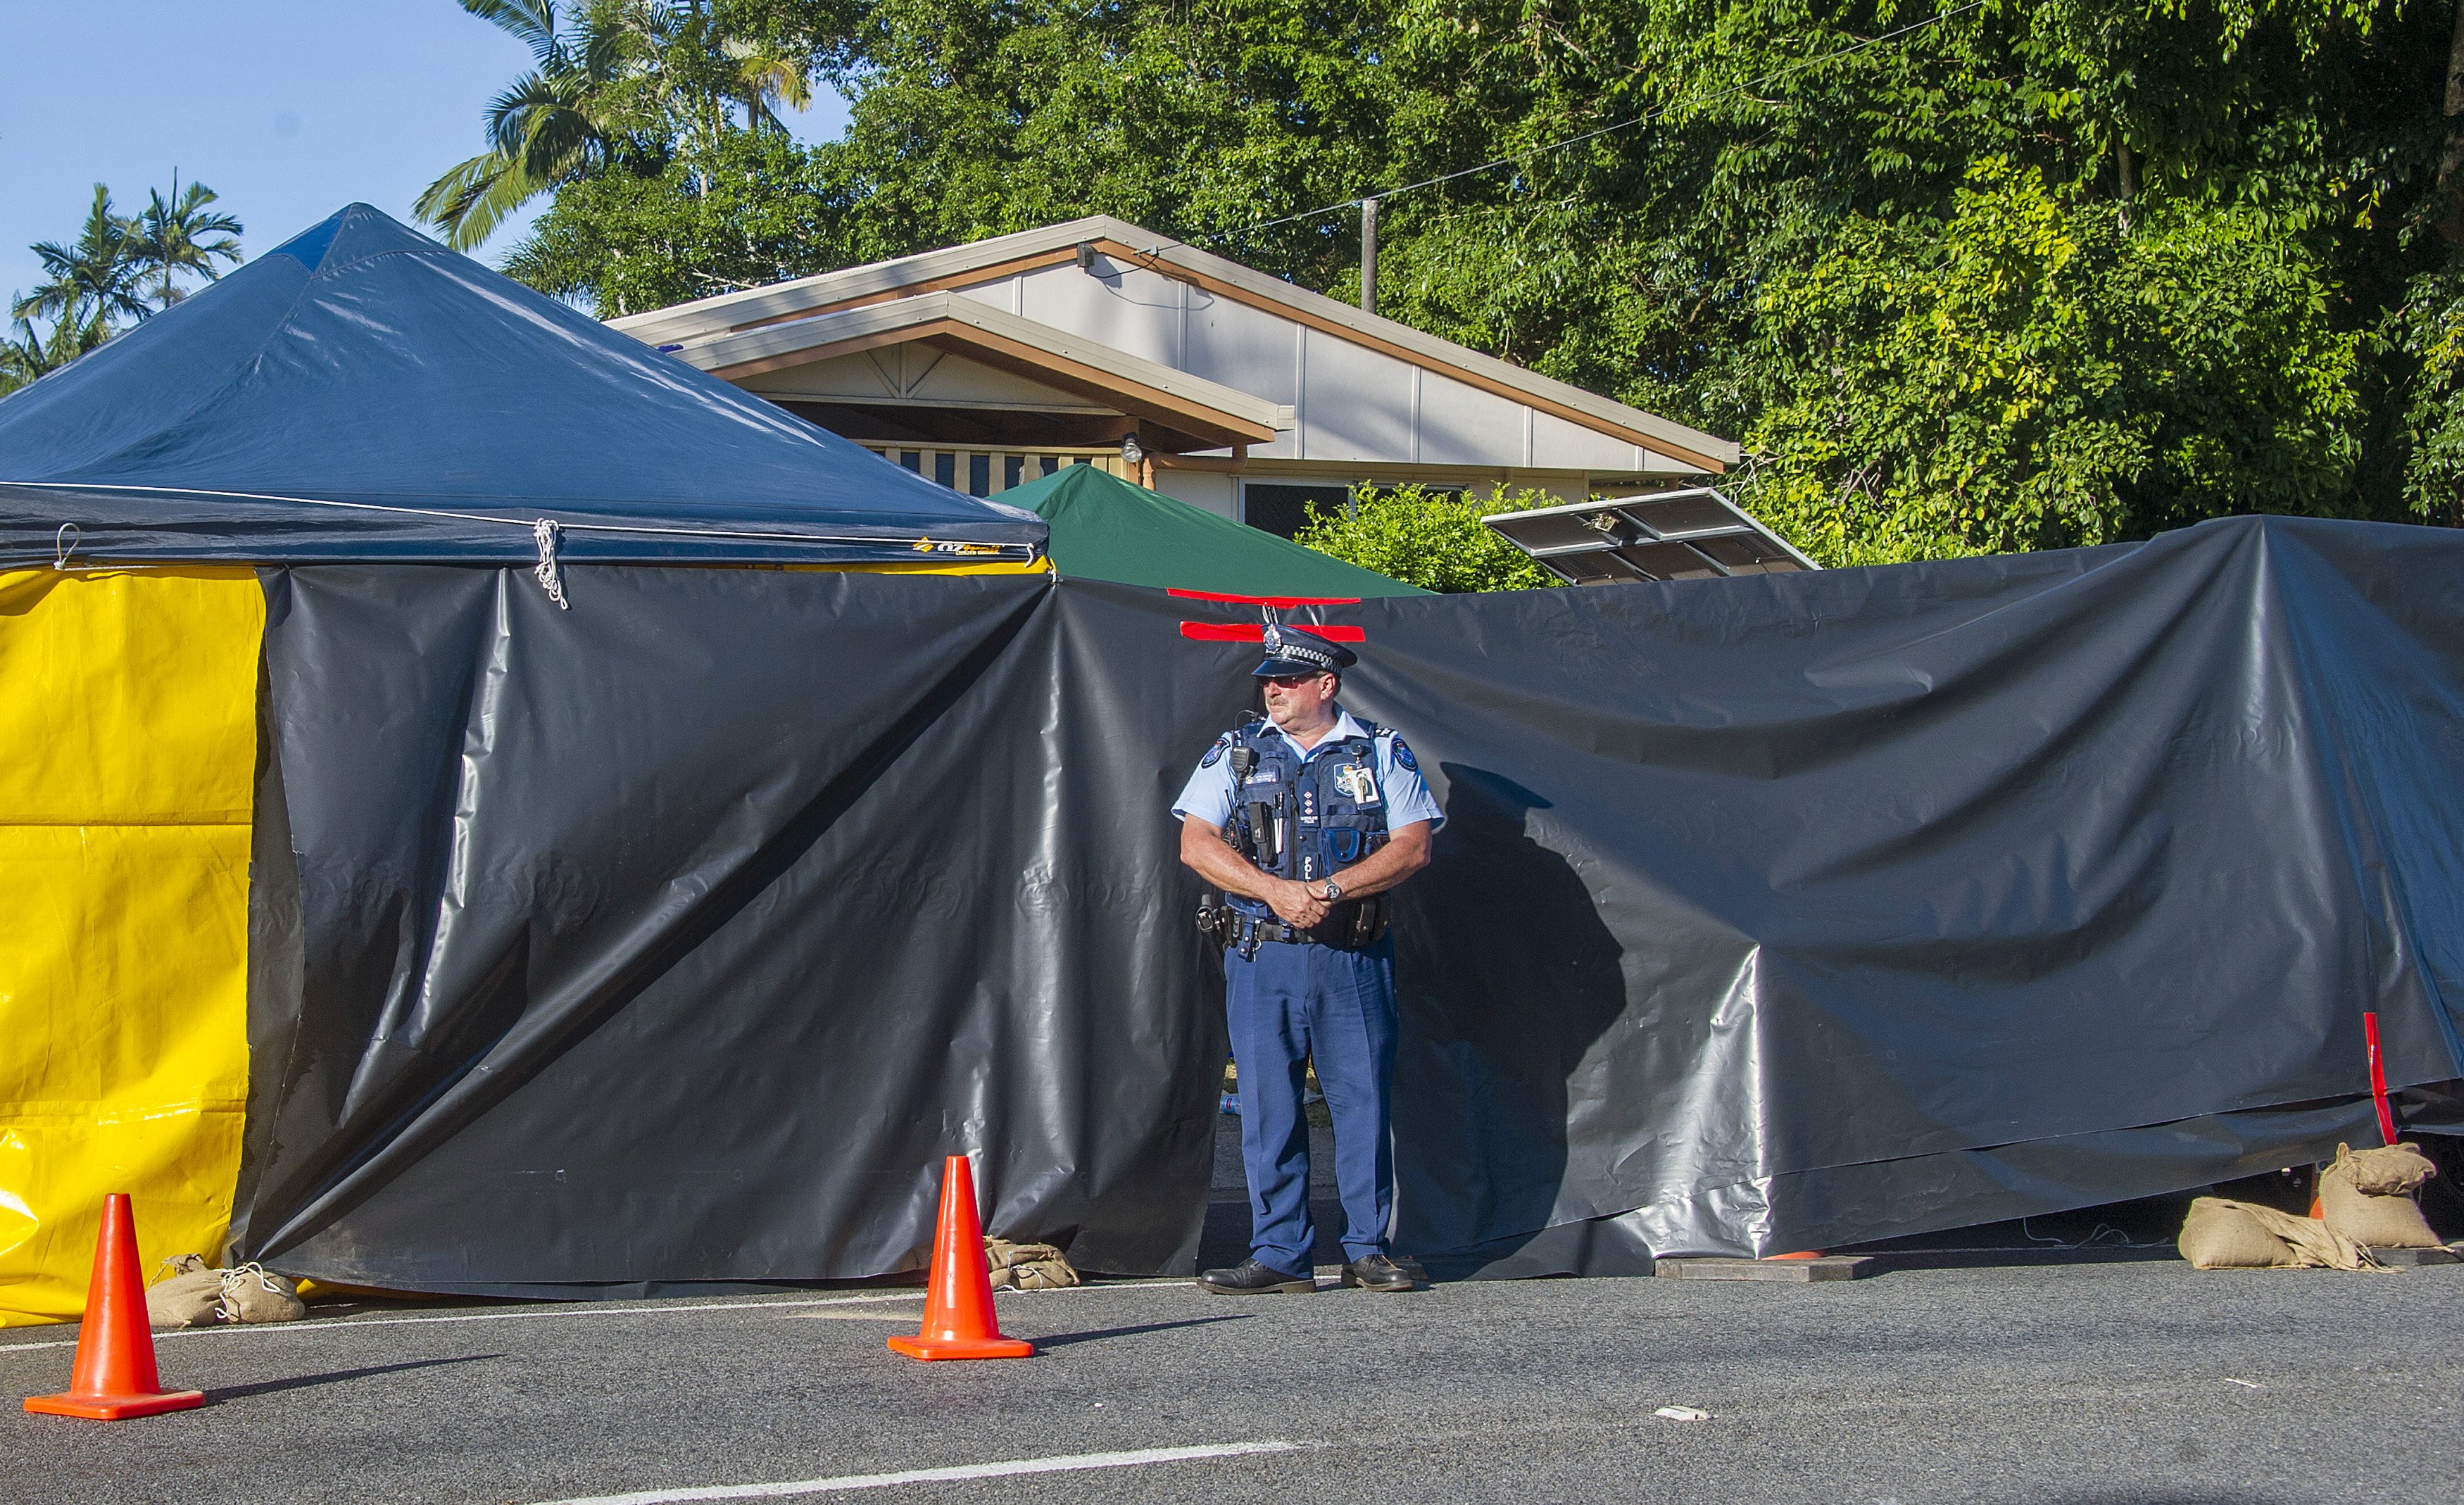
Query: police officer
{"type": "Point", "coordinates": [1303, 819]}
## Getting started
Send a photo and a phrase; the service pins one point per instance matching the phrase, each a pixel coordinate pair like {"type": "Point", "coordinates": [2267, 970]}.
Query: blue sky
{"type": "Point", "coordinates": [288, 109]}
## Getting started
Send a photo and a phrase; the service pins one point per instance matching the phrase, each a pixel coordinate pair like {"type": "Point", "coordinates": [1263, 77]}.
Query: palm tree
{"type": "Point", "coordinates": [96, 278]}
{"type": "Point", "coordinates": [545, 130]}
{"type": "Point", "coordinates": [618, 87]}
{"type": "Point", "coordinates": [180, 234]}
{"type": "Point", "coordinates": [29, 354]}
{"type": "Point", "coordinates": [766, 77]}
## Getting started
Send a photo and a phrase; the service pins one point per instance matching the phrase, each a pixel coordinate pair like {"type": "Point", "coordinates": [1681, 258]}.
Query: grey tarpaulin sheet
{"type": "Point", "coordinates": [675, 937]}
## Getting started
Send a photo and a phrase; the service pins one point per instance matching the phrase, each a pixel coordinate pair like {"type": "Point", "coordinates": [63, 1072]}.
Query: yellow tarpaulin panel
{"type": "Point", "coordinates": [127, 755]}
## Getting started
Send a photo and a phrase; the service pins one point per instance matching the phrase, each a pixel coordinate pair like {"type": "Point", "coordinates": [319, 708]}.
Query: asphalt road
{"type": "Point", "coordinates": [2138, 1381]}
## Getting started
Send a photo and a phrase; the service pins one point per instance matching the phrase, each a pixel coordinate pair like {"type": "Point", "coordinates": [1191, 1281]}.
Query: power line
{"type": "Point", "coordinates": [1645, 118]}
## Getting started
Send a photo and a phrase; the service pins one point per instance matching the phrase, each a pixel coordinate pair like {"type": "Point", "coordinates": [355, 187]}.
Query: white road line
{"type": "Point", "coordinates": [587, 1311]}
{"type": "Point", "coordinates": [1070, 1464]}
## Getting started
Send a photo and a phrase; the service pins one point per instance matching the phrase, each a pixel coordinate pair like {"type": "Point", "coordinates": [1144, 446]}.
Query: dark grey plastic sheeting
{"type": "Point", "coordinates": [675, 938]}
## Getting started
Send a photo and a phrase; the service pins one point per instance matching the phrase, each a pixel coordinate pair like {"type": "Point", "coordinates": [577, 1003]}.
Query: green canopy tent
{"type": "Point", "coordinates": [1106, 529]}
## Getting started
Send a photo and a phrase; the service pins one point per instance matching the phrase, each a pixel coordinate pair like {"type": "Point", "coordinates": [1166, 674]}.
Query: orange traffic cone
{"type": "Point", "coordinates": [958, 1304]}
{"type": "Point", "coordinates": [114, 1378]}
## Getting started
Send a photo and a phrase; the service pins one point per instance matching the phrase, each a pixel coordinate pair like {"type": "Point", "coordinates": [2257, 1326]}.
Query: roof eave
{"type": "Point", "coordinates": [957, 266]}
{"type": "Point", "coordinates": [1022, 346]}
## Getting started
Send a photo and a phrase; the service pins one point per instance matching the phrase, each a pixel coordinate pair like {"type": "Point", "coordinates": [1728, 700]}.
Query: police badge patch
{"type": "Point", "coordinates": [1216, 752]}
{"type": "Point", "coordinates": [1403, 755]}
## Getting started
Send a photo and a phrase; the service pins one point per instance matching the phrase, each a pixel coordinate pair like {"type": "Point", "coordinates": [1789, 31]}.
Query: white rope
{"type": "Point", "coordinates": [237, 1277]}
{"type": "Point", "coordinates": [551, 579]}
{"type": "Point", "coordinates": [64, 543]}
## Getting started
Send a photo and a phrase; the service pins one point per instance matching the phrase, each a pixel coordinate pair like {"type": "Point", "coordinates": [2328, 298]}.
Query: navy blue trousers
{"type": "Point", "coordinates": [1287, 1005]}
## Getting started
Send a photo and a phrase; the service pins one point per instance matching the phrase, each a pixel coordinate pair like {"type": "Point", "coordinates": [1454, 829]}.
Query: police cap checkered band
{"type": "Point", "coordinates": [1297, 653]}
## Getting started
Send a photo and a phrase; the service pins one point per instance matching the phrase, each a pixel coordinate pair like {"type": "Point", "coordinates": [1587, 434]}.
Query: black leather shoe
{"type": "Point", "coordinates": [1377, 1272]}
{"type": "Point", "coordinates": [1252, 1278]}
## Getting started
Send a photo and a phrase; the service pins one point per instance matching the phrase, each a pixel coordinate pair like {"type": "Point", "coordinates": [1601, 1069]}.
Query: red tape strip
{"type": "Point", "coordinates": [2378, 1079]}
{"type": "Point", "coordinates": [1252, 632]}
{"type": "Point", "coordinates": [1278, 603]}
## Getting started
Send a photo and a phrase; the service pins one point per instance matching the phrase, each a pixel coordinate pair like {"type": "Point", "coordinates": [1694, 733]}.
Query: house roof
{"type": "Point", "coordinates": [1215, 414]}
{"type": "Point", "coordinates": [964, 266]}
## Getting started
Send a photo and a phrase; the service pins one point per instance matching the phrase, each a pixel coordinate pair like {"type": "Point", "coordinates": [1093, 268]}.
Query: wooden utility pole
{"type": "Point", "coordinates": [2451, 162]}
{"type": "Point", "coordinates": [1369, 248]}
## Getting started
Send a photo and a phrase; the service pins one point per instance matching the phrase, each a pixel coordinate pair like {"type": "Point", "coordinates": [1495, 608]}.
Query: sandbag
{"type": "Point", "coordinates": [2220, 1233]}
{"type": "Point", "coordinates": [1026, 1267]}
{"type": "Point", "coordinates": [197, 1295]}
{"type": "Point", "coordinates": [191, 1296]}
{"type": "Point", "coordinates": [2389, 1222]}
{"type": "Point", "coordinates": [2396, 1171]}
{"type": "Point", "coordinates": [2369, 1197]}
{"type": "Point", "coordinates": [250, 1294]}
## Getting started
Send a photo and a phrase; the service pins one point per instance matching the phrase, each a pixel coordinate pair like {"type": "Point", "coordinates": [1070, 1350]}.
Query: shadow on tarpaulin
{"type": "Point", "coordinates": [674, 939]}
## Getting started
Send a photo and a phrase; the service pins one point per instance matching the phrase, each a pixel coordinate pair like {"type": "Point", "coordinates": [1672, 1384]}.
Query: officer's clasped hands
{"type": "Point", "coordinates": [1298, 905]}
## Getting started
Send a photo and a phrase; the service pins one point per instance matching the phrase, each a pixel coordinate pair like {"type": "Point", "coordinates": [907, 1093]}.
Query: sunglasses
{"type": "Point", "coordinates": [1293, 681]}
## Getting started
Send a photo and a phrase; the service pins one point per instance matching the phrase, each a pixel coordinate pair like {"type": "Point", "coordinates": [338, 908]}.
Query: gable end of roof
{"type": "Point", "coordinates": [958, 267]}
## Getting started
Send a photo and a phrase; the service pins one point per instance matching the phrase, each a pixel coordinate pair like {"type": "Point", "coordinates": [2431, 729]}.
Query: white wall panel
{"type": "Point", "coordinates": [1128, 308]}
{"type": "Point", "coordinates": [848, 376]}
{"type": "Point", "coordinates": [1003, 295]}
{"type": "Point", "coordinates": [1353, 404]}
{"type": "Point", "coordinates": [1211, 490]}
{"type": "Point", "coordinates": [1358, 403]}
{"type": "Point", "coordinates": [921, 374]}
{"type": "Point", "coordinates": [1248, 350]}
{"type": "Point", "coordinates": [954, 379]}
{"type": "Point", "coordinates": [1463, 425]}
{"type": "Point", "coordinates": [1557, 445]}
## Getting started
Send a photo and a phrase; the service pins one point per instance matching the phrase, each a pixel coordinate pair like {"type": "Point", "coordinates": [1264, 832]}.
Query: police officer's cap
{"type": "Point", "coordinates": [1298, 652]}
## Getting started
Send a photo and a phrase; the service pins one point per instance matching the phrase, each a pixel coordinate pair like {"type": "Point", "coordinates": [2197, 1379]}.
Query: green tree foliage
{"type": "Point", "coordinates": [737, 212]}
{"type": "Point", "coordinates": [98, 277]}
{"type": "Point", "coordinates": [2029, 375]}
{"type": "Point", "coordinates": [118, 267]}
{"type": "Point", "coordinates": [641, 89]}
{"type": "Point", "coordinates": [1970, 275]}
{"type": "Point", "coordinates": [31, 353]}
{"type": "Point", "coordinates": [1433, 540]}
{"type": "Point", "coordinates": [180, 234]}
{"type": "Point", "coordinates": [552, 125]}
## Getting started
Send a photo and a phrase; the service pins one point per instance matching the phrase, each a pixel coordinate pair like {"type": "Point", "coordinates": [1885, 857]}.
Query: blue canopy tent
{"type": "Point", "coordinates": [363, 393]}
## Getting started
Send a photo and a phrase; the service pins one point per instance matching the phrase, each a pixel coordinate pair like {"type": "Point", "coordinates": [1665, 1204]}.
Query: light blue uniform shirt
{"type": "Point", "coordinates": [1209, 793]}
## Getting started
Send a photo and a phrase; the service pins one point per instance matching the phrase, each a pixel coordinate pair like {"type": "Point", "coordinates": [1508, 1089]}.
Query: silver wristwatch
{"type": "Point", "coordinates": [1333, 892]}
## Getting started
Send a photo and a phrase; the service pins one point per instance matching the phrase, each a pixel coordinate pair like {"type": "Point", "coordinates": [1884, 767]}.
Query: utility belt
{"type": "Point", "coordinates": [1354, 925]}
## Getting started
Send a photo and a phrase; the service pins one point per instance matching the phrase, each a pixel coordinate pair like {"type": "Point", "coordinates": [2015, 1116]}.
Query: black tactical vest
{"type": "Point", "coordinates": [1304, 817]}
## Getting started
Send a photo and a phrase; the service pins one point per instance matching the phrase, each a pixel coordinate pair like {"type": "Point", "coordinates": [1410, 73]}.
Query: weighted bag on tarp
{"type": "Point", "coordinates": [197, 1295]}
{"type": "Point", "coordinates": [2220, 1233]}
{"type": "Point", "coordinates": [254, 1294]}
{"type": "Point", "coordinates": [1026, 1267]}
{"type": "Point", "coordinates": [190, 1296]}
{"type": "Point", "coordinates": [2369, 1197]}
